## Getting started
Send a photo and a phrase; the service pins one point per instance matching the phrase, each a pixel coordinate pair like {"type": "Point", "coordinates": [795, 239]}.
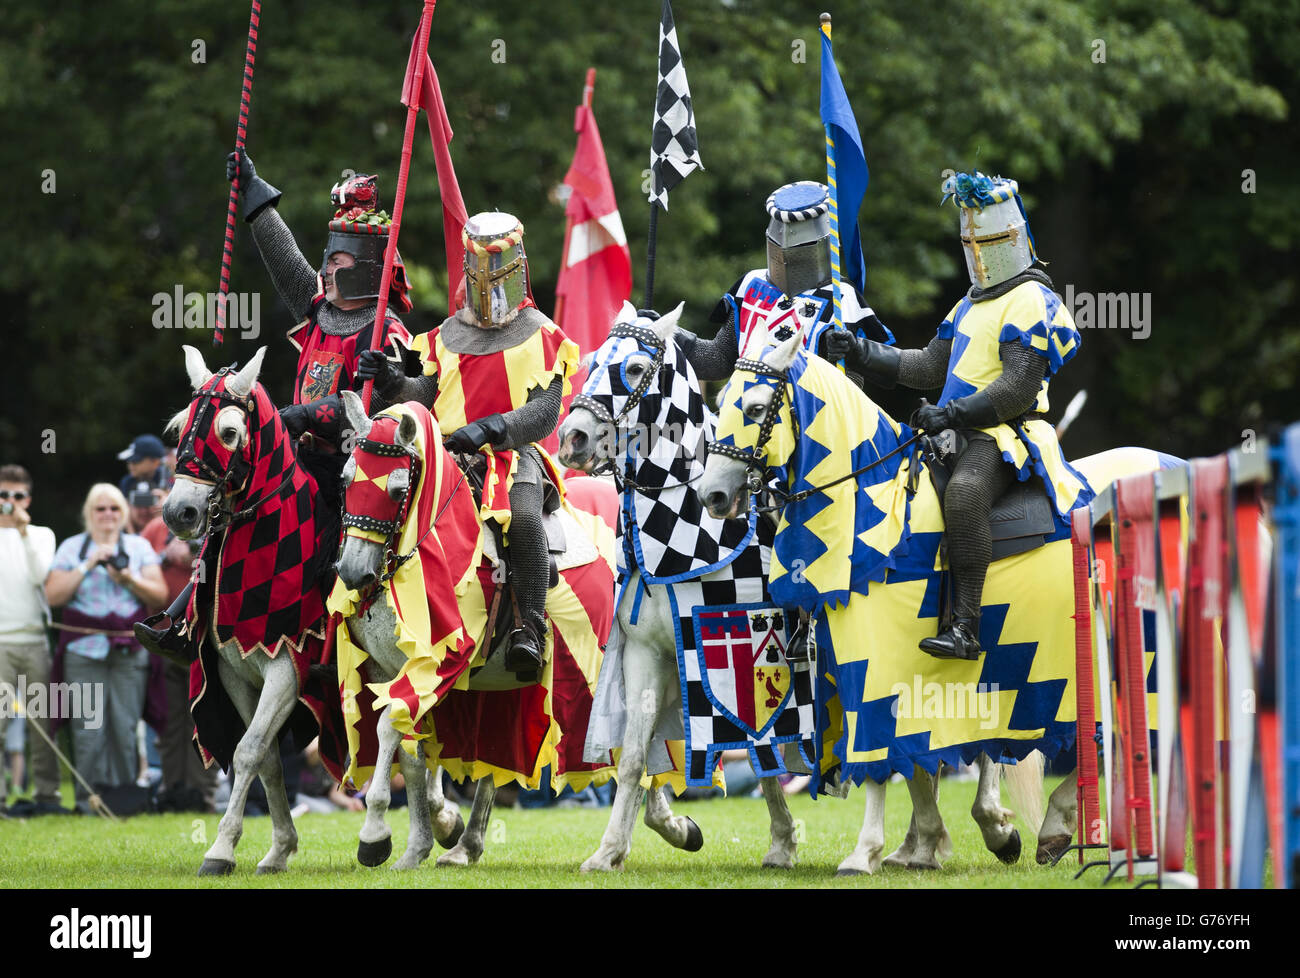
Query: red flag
{"type": "Point", "coordinates": [453, 205]}
{"type": "Point", "coordinates": [596, 274]}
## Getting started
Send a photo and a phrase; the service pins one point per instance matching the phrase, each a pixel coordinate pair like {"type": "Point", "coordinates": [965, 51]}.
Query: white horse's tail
{"type": "Point", "coordinates": [1025, 786]}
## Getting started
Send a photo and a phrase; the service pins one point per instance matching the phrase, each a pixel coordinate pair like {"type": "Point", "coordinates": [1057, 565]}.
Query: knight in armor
{"type": "Point", "coordinates": [993, 356]}
{"type": "Point", "coordinates": [793, 291]}
{"type": "Point", "coordinates": [494, 375]}
{"type": "Point", "coordinates": [336, 305]}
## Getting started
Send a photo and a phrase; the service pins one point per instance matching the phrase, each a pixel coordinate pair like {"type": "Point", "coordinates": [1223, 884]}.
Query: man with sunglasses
{"type": "Point", "coordinates": [26, 551]}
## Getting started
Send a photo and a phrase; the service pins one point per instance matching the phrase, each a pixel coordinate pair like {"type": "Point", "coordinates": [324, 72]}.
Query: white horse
{"type": "Point", "coordinates": [752, 408]}
{"type": "Point", "coordinates": [229, 466]}
{"type": "Point", "coordinates": [642, 354]}
{"type": "Point", "coordinates": [420, 478]}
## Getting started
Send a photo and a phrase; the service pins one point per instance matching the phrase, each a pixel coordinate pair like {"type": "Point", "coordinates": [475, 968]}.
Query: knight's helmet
{"type": "Point", "coordinates": [799, 237]}
{"type": "Point", "coordinates": [360, 229]}
{"type": "Point", "coordinates": [496, 268]}
{"type": "Point", "coordinates": [994, 230]}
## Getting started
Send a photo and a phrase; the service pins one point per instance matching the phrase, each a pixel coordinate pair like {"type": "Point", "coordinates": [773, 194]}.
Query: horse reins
{"type": "Point", "coordinates": [650, 338]}
{"type": "Point", "coordinates": [750, 457]}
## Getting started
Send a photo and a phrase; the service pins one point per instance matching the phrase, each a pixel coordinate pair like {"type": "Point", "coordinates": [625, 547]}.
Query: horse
{"type": "Point", "coordinates": [420, 655]}
{"type": "Point", "coordinates": [239, 484]}
{"type": "Point", "coordinates": [642, 411]}
{"type": "Point", "coordinates": [796, 418]}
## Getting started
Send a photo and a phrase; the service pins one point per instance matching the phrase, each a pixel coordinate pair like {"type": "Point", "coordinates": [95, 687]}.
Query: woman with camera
{"type": "Point", "coordinates": [105, 579]}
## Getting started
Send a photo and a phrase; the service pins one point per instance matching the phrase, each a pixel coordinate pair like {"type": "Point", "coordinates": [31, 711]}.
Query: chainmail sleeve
{"type": "Point", "coordinates": [1017, 389]}
{"type": "Point", "coordinates": [713, 359]}
{"type": "Point", "coordinates": [537, 418]}
{"type": "Point", "coordinates": [294, 278]}
{"type": "Point", "coordinates": [927, 368]}
{"type": "Point", "coordinates": [422, 389]}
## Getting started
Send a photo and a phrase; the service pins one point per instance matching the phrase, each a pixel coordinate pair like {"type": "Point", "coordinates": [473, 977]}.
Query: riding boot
{"type": "Point", "coordinates": [960, 640]}
{"type": "Point", "coordinates": [800, 647]}
{"type": "Point", "coordinates": [174, 642]}
{"type": "Point", "coordinates": [524, 654]}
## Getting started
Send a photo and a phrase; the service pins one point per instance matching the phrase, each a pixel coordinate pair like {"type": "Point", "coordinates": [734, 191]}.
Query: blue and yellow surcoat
{"type": "Point", "coordinates": [1033, 315]}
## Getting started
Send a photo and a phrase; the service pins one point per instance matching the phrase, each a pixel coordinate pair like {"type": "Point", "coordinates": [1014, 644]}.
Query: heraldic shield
{"type": "Point", "coordinates": [742, 664]}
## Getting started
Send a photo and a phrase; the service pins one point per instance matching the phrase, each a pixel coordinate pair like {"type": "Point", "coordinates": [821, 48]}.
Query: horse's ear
{"type": "Point", "coordinates": [356, 413]}
{"type": "Point", "coordinates": [241, 385]}
{"type": "Point", "coordinates": [406, 430]}
{"type": "Point", "coordinates": [627, 314]}
{"type": "Point", "coordinates": [666, 323]}
{"type": "Point", "coordinates": [784, 355]}
{"type": "Point", "coordinates": [196, 368]}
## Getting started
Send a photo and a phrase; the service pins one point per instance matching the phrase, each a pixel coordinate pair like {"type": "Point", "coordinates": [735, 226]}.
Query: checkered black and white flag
{"type": "Point", "coordinates": [674, 150]}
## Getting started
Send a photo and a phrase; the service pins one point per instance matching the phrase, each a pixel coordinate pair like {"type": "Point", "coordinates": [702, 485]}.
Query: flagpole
{"type": "Point", "coordinates": [836, 274]}
{"type": "Point", "coordinates": [241, 135]}
{"type": "Point", "coordinates": [588, 88]}
{"type": "Point", "coordinates": [395, 227]}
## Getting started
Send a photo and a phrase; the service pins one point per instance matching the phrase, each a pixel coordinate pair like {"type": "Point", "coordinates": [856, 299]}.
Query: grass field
{"type": "Point", "coordinates": [525, 848]}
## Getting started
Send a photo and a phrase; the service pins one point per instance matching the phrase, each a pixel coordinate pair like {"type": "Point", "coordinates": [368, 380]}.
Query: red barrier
{"type": "Point", "coordinates": [1206, 576]}
{"type": "Point", "coordinates": [1090, 819]}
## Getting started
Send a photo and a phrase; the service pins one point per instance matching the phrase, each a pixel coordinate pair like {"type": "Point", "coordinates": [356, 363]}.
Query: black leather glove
{"type": "Point", "coordinates": [257, 193]}
{"type": "Point", "coordinates": [875, 361]}
{"type": "Point", "coordinates": [931, 418]}
{"type": "Point", "coordinates": [973, 411]}
{"type": "Point", "coordinates": [373, 365]}
{"type": "Point", "coordinates": [323, 418]}
{"type": "Point", "coordinates": [296, 418]}
{"type": "Point", "coordinates": [469, 439]}
{"type": "Point", "coordinates": [837, 344]}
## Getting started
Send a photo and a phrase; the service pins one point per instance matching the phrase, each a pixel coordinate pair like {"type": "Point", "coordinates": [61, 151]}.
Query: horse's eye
{"type": "Point", "coordinates": [230, 437]}
{"type": "Point", "coordinates": [755, 412]}
{"type": "Point", "coordinates": [635, 370]}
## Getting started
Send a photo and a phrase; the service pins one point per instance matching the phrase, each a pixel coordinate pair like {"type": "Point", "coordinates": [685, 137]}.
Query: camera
{"type": "Point", "coordinates": [6, 509]}
{"type": "Point", "coordinates": [119, 560]}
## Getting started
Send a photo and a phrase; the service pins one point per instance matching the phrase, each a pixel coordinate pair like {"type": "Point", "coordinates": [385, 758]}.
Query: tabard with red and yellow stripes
{"type": "Point", "coordinates": [472, 386]}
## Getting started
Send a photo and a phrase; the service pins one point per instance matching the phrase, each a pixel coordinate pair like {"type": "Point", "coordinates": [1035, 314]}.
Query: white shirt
{"type": "Point", "coordinates": [24, 562]}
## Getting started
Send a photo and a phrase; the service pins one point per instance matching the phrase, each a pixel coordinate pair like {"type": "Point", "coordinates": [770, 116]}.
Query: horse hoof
{"type": "Point", "coordinates": [1010, 851]}
{"type": "Point", "coordinates": [374, 853]}
{"type": "Point", "coordinates": [849, 872]}
{"type": "Point", "coordinates": [269, 870]}
{"type": "Point", "coordinates": [1051, 848]}
{"type": "Point", "coordinates": [217, 867]}
{"type": "Point", "coordinates": [454, 835]}
{"type": "Point", "coordinates": [694, 837]}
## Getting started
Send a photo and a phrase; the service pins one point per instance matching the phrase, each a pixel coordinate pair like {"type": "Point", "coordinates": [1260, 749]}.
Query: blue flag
{"type": "Point", "coordinates": [851, 174]}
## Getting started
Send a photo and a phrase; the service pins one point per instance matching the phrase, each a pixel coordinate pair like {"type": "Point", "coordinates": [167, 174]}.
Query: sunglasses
{"type": "Point", "coordinates": [108, 509]}
{"type": "Point", "coordinates": [18, 496]}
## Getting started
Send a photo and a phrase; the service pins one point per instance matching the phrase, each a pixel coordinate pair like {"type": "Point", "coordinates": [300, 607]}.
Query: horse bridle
{"type": "Point", "coordinates": [755, 464]}
{"type": "Point", "coordinates": [646, 337]}
{"type": "Point", "coordinates": [220, 514]}
{"type": "Point", "coordinates": [392, 529]}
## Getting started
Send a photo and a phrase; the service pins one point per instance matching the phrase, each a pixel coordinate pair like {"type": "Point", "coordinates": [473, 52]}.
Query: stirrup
{"type": "Point", "coordinates": [524, 653]}
{"type": "Point", "coordinates": [959, 641]}
{"type": "Point", "coordinates": [800, 647]}
{"type": "Point", "coordinates": [173, 643]}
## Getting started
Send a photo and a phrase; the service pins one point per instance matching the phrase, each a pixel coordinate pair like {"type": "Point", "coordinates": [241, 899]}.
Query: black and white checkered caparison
{"type": "Point", "coordinates": [667, 535]}
{"type": "Point", "coordinates": [674, 148]}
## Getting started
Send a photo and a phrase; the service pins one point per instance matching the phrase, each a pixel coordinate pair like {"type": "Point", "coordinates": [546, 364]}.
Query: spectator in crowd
{"type": "Point", "coordinates": [26, 551]}
{"type": "Point", "coordinates": [144, 463]}
{"type": "Point", "coordinates": [105, 579]}
{"type": "Point", "coordinates": [186, 781]}
{"type": "Point", "coordinates": [145, 505]}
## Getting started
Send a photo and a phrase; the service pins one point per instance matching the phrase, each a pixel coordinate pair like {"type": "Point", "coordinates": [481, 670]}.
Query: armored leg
{"type": "Point", "coordinates": [980, 478]}
{"type": "Point", "coordinates": [527, 553]}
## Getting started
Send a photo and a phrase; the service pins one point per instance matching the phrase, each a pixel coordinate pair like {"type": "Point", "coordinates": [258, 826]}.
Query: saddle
{"type": "Point", "coordinates": [1021, 519]}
